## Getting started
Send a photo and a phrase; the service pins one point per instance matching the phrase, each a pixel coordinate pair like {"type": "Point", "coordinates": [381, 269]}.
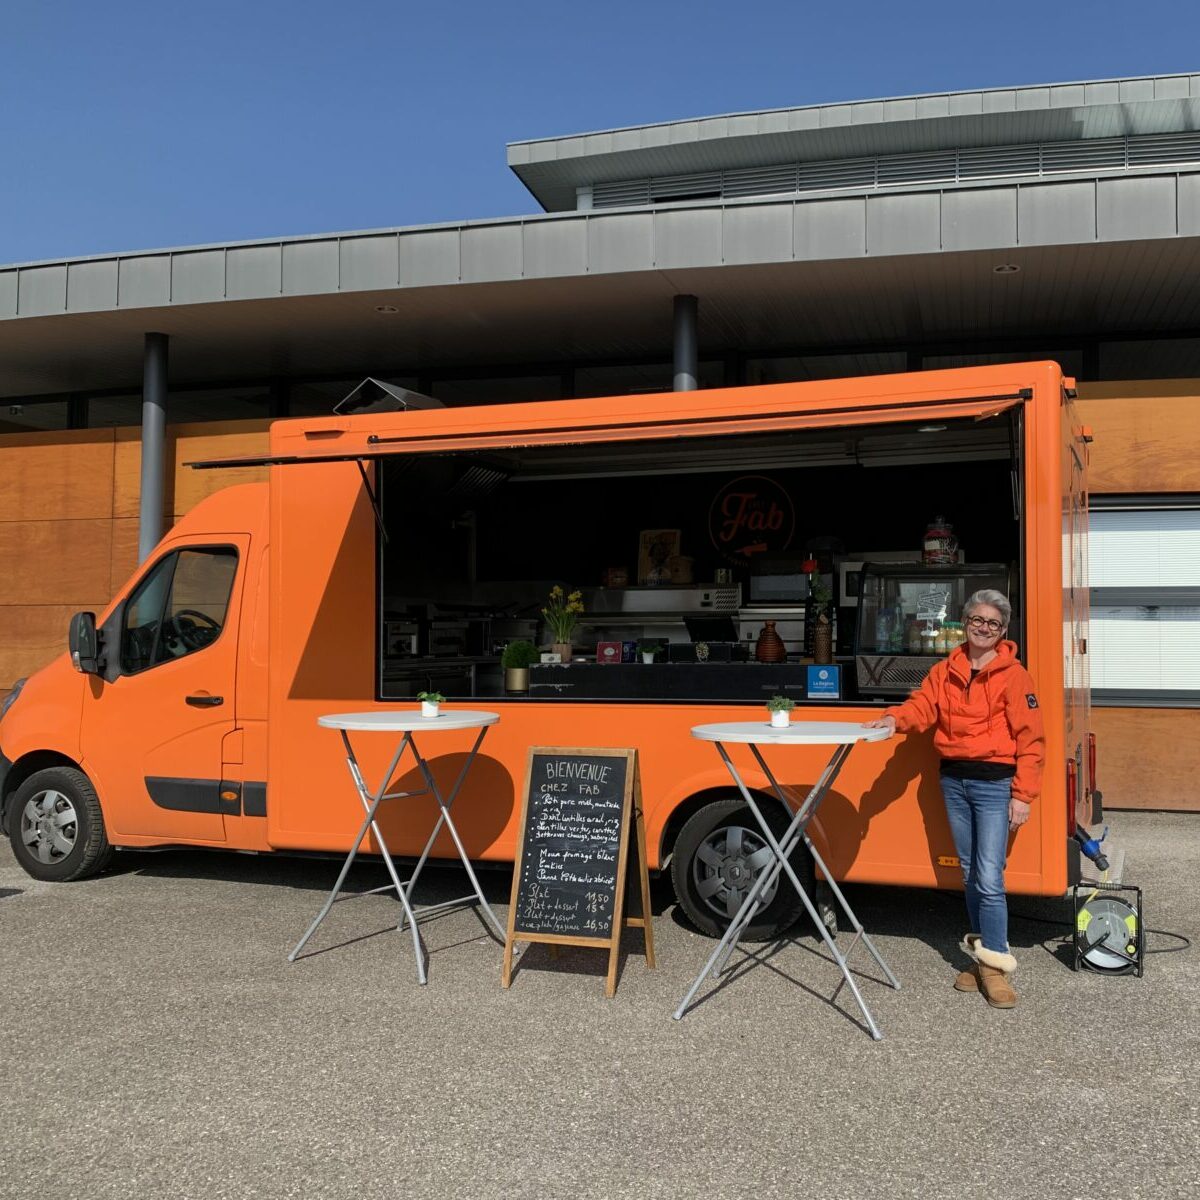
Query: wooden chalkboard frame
{"type": "Point", "coordinates": [634, 838]}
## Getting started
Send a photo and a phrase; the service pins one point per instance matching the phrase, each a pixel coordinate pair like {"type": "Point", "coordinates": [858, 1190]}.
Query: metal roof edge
{"type": "Point", "coordinates": [279, 240]}
{"type": "Point", "coordinates": [789, 108]}
{"type": "Point", "coordinates": [594, 214]}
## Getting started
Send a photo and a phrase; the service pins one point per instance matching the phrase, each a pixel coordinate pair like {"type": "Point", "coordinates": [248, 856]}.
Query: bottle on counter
{"type": "Point", "coordinates": [929, 640]}
{"type": "Point", "coordinates": [914, 637]}
{"type": "Point", "coordinates": [883, 627]}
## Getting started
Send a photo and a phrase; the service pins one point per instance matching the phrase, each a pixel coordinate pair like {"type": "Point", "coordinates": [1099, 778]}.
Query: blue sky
{"type": "Point", "coordinates": [132, 125]}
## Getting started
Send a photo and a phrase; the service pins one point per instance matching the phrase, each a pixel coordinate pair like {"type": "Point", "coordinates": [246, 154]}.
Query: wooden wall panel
{"type": "Point", "coordinates": [68, 522]}
{"type": "Point", "coordinates": [1147, 435]}
{"type": "Point", "coordinates": [1148, 757]}
{"type": "Point", "coordinates": [124, 552]}
{"type": "Point", "coordinates": [184, 487]}
{"type": "Point", "coordinates": [33, 635]}
{"type": "Point", "coordinates": [55, 562]}
{"type": "Point", "coordinates": [56, 475]}
{"type": "Point", "coordinates": [232, 439]}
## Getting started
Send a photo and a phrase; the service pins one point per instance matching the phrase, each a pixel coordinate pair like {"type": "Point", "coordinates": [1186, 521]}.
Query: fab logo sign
{"type": "Point", "coordinates": [751, 515]}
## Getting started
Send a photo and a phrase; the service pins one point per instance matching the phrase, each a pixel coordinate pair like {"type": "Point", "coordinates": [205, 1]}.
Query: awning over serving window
{"type": "Point", "coordinates": [579, 422]}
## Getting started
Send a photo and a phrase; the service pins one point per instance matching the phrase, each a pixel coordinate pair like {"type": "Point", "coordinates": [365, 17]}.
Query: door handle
{"type": "Point", "coordinates": [198, 701]}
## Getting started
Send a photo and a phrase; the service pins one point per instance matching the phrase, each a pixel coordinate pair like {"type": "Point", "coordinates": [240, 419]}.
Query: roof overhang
{"type": "Point", "coordinates": [827, 274]}
{"type": "Point", "coordinates": [553, 168]}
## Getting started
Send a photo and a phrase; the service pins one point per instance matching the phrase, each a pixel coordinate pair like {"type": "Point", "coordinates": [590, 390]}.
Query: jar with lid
{"type": "Point", "coordinates": [939, 546]}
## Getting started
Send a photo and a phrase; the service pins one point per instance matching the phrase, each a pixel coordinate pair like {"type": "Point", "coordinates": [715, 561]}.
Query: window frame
{"type": "Point", "coordinates": [135, 591]}
{"type": "Point", "coordinates": [1152, 597]}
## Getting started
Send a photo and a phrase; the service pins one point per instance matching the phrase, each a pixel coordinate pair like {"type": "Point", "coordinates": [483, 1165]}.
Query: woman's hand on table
{"type": "Point", "coordinates": [1018, 814]}
{"type": "Point", "coordinates": [885, 722]}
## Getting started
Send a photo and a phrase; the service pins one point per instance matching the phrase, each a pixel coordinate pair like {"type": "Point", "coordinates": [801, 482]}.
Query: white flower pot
{"type": "Point", "coordinates": [781, 719]}
{"type": "Point", "coordinates": [429, 710]}
{"type": "Point", "coordinates": [647, 656]}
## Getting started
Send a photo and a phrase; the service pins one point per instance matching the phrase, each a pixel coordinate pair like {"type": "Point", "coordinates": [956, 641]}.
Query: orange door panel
{"type": "Point", "coordinates": [152, 736]}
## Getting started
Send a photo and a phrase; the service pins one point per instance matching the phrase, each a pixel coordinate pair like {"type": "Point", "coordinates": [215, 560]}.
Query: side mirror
{"type": "Point", "coordinates": [83, 643]}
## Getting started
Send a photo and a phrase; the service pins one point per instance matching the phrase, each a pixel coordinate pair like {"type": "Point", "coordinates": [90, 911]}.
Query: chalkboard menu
{"type": "Point", "coordinates": [576, 832]}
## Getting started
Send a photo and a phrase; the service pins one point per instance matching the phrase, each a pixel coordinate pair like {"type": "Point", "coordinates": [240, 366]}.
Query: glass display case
{"type": "Point", "coordinates": [909, 616]}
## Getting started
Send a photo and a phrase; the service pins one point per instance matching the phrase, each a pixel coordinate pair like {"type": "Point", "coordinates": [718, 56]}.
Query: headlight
{"type": "Point", "coordinates": [8, 700]}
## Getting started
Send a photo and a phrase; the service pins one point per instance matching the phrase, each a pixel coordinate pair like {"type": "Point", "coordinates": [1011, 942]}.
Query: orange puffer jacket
{"type": "Point", "coordinates": [996, 718]}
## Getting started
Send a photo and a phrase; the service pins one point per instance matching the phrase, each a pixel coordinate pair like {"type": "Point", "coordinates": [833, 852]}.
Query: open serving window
{"type": "Point", "coordinates": [682, 550]}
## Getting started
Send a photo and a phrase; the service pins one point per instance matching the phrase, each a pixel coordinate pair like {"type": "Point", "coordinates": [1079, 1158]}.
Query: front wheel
{"type": "Point", "coordinates": [56, 826]}
{"type": "Point", "coordinates": [720, 854]}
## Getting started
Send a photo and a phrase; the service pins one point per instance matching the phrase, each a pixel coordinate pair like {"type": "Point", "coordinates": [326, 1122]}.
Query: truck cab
{"type": "Point", "coordinates": [159, 707]}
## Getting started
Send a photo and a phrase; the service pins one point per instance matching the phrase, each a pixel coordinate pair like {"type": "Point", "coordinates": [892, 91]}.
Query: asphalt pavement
{"type": "Point", "coordinates": [155, 1041]}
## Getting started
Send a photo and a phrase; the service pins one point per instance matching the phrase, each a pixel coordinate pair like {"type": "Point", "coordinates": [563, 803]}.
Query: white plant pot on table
{"type": "Point", "coordinates": [781, 719]}
{"type": "Point", "coordinates": [428, 709]}
{"type": "Point", "coordinates": [647, 656]}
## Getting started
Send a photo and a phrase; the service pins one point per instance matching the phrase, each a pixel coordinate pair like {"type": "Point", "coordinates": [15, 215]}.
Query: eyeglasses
{"type": "Point", "coordinates": [985, 623]}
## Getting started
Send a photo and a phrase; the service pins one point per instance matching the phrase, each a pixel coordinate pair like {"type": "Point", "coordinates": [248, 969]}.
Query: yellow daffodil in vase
{"type": "Point", "coordinates": [561, 612]}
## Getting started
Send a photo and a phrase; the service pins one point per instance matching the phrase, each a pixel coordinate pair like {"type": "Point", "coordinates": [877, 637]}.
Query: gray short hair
{"type": "Point", "coordinates": [992, 598]}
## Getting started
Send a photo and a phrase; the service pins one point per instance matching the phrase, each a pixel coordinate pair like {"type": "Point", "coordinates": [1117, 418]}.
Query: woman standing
{"type": "Point", "coordinates": [989, 734]}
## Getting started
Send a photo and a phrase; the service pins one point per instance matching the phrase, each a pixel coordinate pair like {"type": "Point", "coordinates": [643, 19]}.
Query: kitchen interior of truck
{"type": "Point", "coordinates": [852, 547]}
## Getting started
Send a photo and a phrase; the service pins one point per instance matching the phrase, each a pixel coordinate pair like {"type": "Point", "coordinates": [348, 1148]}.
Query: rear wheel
{"type": "Point", "coordinates": [56, 826]}
{"type": "Point", "coordinates": [719, 855]}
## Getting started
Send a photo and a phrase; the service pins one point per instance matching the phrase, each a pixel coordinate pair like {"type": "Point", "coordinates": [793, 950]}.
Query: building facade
{"type": "Point", "coordinates": [873, 237]}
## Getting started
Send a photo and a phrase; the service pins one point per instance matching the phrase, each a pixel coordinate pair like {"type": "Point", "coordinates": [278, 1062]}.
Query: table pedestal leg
{"type": "Point", "coordinates": [445, 819]}
{"type": "Point", "coordinates": [860, 932]}
{"type": "Point", "coordinates": [370, 803]}
{"type": "Point", "coordinates": [781, 849]}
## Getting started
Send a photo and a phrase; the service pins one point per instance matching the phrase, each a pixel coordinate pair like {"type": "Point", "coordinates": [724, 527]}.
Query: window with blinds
{"type": "Point", "coordinates": [1144, 573]}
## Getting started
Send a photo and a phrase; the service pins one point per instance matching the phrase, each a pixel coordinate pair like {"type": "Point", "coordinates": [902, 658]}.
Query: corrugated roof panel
{"type": "Point", "coordinates": [1096, 154]}
{"type": "Point", "coordinates": [836, 173]}
{"type": "Point", "coordinates": [994, 161]}
{"type": "Point", "coordinates": [760, 181]}
{"type": "Point", "coordinates": [683, 187]}
{"type": "Point", "coordinates": [614, 195]}
{"type": "Point", "coordinates": [1164, 148]}
{"type": "Point", "coordinates": [934, 167]}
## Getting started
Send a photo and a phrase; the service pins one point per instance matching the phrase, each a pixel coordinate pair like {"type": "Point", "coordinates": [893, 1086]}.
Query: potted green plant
{"type": "Point", "coordinates": [780, 708]}
{"type": "Point", "coordinates": [516, 658]}
{"type": "Point", "coordinates": [561, 612]}
{"type": "Point", "coordinates": [649, 649]}
{"type": "Point", "coordinates": [430, 703]}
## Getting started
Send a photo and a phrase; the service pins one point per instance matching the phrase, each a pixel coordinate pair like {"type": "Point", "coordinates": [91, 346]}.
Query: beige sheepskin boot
{"type": "Point", "coordinates": [968, 980]}
{"type": "Point", "coordinates": [995, 972]}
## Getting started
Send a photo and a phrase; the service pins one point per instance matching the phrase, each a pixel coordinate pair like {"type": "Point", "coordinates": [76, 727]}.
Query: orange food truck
{"type": "Point", "coordinates": [392, 552]}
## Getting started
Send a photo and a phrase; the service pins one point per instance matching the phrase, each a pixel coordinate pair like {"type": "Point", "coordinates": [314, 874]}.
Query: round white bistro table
{"type": "Point", "coordinates": [408, 723]}
{"type": "Point", "coordinates": [842, 735]}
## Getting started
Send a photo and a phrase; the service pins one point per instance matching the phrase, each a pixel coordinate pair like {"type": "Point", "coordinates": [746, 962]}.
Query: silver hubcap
{"type": "Point", "coordinates": [726, 866]}
{"type": "Point", "coordinates": [49, 826]}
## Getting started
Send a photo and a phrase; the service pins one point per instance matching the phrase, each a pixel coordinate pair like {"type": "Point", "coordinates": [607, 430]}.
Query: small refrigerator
{"type": "Point", "coordinates": [909, 616]}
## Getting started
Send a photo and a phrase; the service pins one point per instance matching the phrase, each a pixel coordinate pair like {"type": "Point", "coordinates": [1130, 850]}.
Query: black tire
{"type": "Point", "coordinates": [694, 873]}
{"type": "Point", "coordinates": [56, 826]}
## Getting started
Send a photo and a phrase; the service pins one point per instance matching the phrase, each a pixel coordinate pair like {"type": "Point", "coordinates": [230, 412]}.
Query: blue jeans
{"type": "Point", "coordinates": [978, 812]}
